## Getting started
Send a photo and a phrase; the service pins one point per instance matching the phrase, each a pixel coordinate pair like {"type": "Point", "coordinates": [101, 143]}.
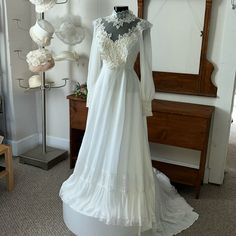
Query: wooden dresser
{"type": "Point", "coordinates": [173, 123]}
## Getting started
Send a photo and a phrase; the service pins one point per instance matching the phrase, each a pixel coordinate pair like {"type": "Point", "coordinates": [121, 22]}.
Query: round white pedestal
{"type": "Point", "coordinates": [82, 225]}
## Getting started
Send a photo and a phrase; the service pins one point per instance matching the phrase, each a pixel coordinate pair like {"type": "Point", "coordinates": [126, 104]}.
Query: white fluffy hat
{"type": "Point", "coordinates": [40, 60]}
{"type": "Point", "coordinates": [43, 5]}
{"type": "Point", "coordinates": [41, 33]}
{"type": "Point", "coordinates": [35, 81]}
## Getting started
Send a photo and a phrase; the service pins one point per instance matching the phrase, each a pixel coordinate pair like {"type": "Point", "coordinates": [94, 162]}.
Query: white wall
{"type": "Point", "coordinates": [224, 103]}
{"type": "Point", "coordinates": [20, 106]}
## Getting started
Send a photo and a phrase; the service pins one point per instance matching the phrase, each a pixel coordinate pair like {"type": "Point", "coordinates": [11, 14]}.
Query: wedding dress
{"type": "Point", "coordinates": [113, 180]}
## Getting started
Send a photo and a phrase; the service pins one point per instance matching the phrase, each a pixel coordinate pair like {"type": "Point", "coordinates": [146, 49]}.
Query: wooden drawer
{"type": "Point", "coordinates": [78, 115]}
{"type": "Point", "coordinates": [178, 130]}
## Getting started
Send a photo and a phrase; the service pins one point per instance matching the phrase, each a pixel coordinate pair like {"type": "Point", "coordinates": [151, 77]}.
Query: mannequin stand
{"type": "Point", "coordinates": [80, 225]}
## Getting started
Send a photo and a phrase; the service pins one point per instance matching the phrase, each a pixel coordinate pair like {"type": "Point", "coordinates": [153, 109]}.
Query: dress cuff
{"type": "Point", "coordinates": [147, 108]}
{"type": "Point", "coordinates": [87, 103]}
{"type": "Point", "coordinates": [88, 99]}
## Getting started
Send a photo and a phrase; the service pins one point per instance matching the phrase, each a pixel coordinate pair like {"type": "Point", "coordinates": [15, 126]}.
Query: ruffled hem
{"type": "Point", "coordinates": [111, 206]}
{"type": "Point", "coordinates": [113, 221]}
{"type": "Point", "coordinates": [115, 207]}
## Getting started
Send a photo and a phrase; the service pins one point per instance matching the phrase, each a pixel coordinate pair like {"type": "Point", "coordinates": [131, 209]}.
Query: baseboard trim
{"type": "Point", "coordinates": [24, 144]}
{"type": "Point", "coordinates": [56, 142]}
{"type": "Point", "coordinates": [27, 143]}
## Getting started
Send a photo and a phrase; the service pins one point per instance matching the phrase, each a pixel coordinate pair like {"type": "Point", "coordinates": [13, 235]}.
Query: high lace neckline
{"type": "Point", "coordinates": [119, 18]}
{"type": "Point", "coordinates": [122, 15]}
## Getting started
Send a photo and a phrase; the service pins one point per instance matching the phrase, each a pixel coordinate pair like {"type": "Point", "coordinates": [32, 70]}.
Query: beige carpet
{"type": "Point", "coordinates": [34, 208]}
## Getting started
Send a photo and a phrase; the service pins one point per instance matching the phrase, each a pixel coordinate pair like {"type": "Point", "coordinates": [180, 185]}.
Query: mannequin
{"type": "Point", "coordinates": [81, 224]}
{"type": "Point", "coordinates": [114, 190]}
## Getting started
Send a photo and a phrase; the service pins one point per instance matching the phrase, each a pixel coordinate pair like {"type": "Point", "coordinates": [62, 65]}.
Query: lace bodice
{"type": "Point", "coordinates": [117, 40]}
{"type": "Point", "coordinates": [120, 23]}
{"type": "Point", "coordinates": [118, 36]}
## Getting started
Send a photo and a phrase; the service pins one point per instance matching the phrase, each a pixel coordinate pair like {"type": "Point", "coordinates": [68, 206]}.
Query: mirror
{"type": "Point", "coordinates": [179, 45]}
{"type": "Point", "coordinates": [175, 24]}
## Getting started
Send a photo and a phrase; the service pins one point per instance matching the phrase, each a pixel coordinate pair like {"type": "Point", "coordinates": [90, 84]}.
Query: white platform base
{"type": "Point", "coordinates": [82, 225]}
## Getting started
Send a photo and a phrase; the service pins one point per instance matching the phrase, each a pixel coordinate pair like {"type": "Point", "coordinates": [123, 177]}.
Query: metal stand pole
{"type": "Point", "coordinates": [44, 129]}
{"type": "Point", "coordinates": [43, 95]}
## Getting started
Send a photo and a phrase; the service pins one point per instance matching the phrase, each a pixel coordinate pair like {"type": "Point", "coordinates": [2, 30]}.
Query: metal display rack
{"type": "Point", "coordinates": [42, 156]}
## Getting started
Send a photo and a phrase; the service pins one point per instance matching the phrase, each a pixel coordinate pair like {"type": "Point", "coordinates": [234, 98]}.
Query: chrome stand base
{"type": "Point", "coordinates": [46, 161]}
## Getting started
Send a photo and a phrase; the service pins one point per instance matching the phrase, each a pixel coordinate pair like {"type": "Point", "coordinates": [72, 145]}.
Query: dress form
{"type": "Point", "coordinates": [80, 224]}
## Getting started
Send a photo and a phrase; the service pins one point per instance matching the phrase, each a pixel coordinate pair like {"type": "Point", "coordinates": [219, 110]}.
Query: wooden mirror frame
{"type": "Point", "coordinates": [193, 84]}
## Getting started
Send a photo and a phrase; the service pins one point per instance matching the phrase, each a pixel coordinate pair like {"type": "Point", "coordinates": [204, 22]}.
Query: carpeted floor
{"type": "Point", "coordinates": [34, 207]}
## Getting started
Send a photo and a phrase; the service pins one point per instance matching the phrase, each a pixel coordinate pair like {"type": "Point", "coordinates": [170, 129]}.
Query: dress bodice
{"type": "Point", "coordinates": [118, 38]}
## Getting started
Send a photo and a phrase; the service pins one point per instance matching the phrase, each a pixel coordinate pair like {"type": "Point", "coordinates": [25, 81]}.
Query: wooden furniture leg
{"type": "Point", "coordinates": [8, 171]}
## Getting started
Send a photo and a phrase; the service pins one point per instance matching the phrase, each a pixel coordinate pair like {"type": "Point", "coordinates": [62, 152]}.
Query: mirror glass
{"type": "Point", "coordinates": [176, 34]}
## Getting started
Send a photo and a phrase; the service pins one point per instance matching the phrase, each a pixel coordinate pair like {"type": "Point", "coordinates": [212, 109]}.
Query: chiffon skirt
{"type": "Point", "coordinates": [113, 179]}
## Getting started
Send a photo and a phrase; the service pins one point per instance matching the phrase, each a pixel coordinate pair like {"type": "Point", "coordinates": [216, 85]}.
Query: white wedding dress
{"type": "Point", "coordinates": [113, 180]}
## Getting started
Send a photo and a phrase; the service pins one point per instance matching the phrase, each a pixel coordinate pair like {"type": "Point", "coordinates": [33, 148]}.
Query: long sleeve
{"type": "Point", "coordinates": [94, 67]}
{"type": "Point", "coordinates": [147, 84]}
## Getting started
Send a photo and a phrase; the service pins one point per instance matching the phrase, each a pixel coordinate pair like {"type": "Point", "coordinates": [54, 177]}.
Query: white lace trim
{"type": "Point", "coordinates": [147, 108]}
{"type": "Point", "coordinates": [115, 52]}
{"type": "Point", "coordinates": [111, 181]}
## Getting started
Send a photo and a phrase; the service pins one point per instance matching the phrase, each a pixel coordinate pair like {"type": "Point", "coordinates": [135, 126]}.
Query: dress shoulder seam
{"type": "Point", "coordinates": [144, 24]}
